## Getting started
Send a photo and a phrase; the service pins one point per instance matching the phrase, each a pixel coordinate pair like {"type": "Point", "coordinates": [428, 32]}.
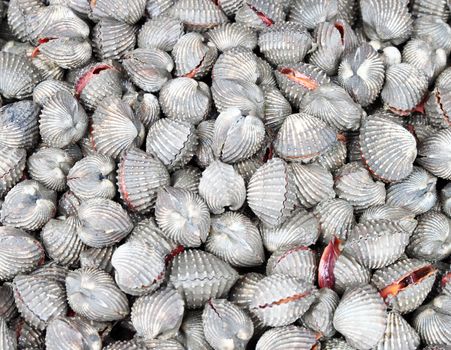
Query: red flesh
{"type": "Point", "coordinates": [446, 279]}
{"type": "Point", "coordinates": [438, 99]}
{"type": "Point", "coordinates": [288, 252]}
{"type": "Point", "coordinates": [341, 30]}
{"type": "Point", "coordinates": [404, 282]}
{"type": "Point", "coordinates": [326, 278]}
{"type": "Point", "coordinates": [196, 69]}
{"type": "Point", "coordinates": [178, 250]}
{"type": "Point", "coordinates": [268, 154]}
{"type": "Point", "coordinates": [265, 19]}
{"type": "Point", "coordinates": [41, 41]}
{"type": "Point", "coordinates": [84, 79]}
{"type": "Point", "coordinates": [123, 187]}
{"type": "Point", "coordinates": [286, 300]}
{"type": "Point", "coordinates": [300, 78]}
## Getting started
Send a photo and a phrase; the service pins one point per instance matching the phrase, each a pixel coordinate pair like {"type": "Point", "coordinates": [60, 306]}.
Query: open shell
{"type": "Point", "coordinates": [259, 14]}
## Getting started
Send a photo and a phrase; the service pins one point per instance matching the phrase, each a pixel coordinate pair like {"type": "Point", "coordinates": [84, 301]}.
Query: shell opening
{"type": "Point", "coordinates": [85, 78]}
{"type": "Point", "coordinates": [265, 19]}
{"type": "Point", "coordinates": [294, 297]}
{"type": "Point", "coordinates": [40, 42]}
{"type": "Point", "coordinates": [299, 78]}
{"type": "Point", "coordinates": [438, 99]}
{"type": "Point", "coordinates": [326, 278]}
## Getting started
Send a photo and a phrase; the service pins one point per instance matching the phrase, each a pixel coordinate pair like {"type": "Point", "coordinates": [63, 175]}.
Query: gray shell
{"type": "Point", "coordinates": [386, 212]}
{"type": "Point", "coordinates": [187, 178]}
{"type": "Point", "coordinates": [398, 334]}
{"type": "Point", "coordinates": [438, 107]}
{"type": "Point", "coordinates": [259, 14]}
{"type": "Point", "coordinates": [147, 109]}
{"type": "Point", "coordinates": [12, 166]}
{"type": "Point", "coordinates": [192, 332]}
{"type": "Point", "coordinates": [287, 337]}
{"type": "Point", "coordinates": [445, 199]}
{"type": "Point", "coordinates": [99, 258]}
{"type": "Point", "coordinates": [310, 13]}
{"type": "Point", "coordinates": [7, 336]}
{"type": "Point", "coordinates": [434, 31]}
{"type": "Point", "coordinates": [198, 14]}
{"type": "Point", "coordinates": [47, 88]}
{"type": "Point", "coordinates": [129, 12]}
{"type": "Point", "coordinates": [276, 108]}
{"type": "Point", "coordinates": [237, 64]}
{"type": "Point", "coordinates": [112, 39]}
{"type": "Point", "coordinates": [8, 309]}
{"type": "Point", "coordinates": [161, 32]}
{"type": "Point", "coordinates": [437, 9]}
{"type": "Point", "coordinates": [434, 154]}
{"type": "Point", "coordinates": [230, 35]}
{"type": "Point", "coordinates": [204, 153]}
{"type": "Point", "coordinates": [349, 273]}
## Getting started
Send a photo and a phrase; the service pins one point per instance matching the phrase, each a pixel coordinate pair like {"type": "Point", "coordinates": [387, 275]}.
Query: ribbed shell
{"type": "Point", "coordinates": [416, 193]}
{"type": "Point", "coordinates": [51, 271]}
{"type": "Point", "coordinates": [386, 212]}
{"type": "Point", "coordinates": [237, 64]}
{"type": "Point", "coordinates": [398, 334]}
{"type": "Point", "coordinates": [445, 199]}
{"type": "Point", "coordinates": [378, 243]}
{"type": "Point", "coordinates": [243, 290]}
{"type": "Point", "coordinates": [161, 32]}
{"type": "Point", "coordinates": [18, 76]}
{"type": "Point", "coordinates": [241, 94]}
{"type": "Point", "coordinates": [438, 9]}
{"type": "Point", "coordinates": [361, 317]}
{"type": "Point", "coordinates": [102, 222]}
{"type": "Point", "coordinates": [287, 337]}
{"type": "Point", "coordinates": [336, 344]}
{"type": "Point", "coordinates": [147, 110]}
{"type": "Point", "coordinates": [404, 88]}
{"type": "Point", "coordinates": [139, 176]}
{"type": "Point", "coordinates": [193, 56]}
{"type": "Point", "coordinates": [230, 35]}
{"type": "Point", "coordinates": [294, 80]}
{"type": "Point", "coordinates": [127, 345]}
{"type": "Point", "coordinates": [302, 228]}
{"type": "Point", "coordinates": [387, 148]}
{"type": "Point", "coordinates": [198, 14]}
{"type": "Point", "coordinates": [361, 73]}
{"type": "Point", "coordinates": [348, 273]}
{"type": "Point", "coordinates": [310, 13]}
{"type": "Point", "coordinates": [39, 299]}
{"type": "Point", "coordinates": [271, 193]}
{"type": "Point", "coordinates": [237, 137]}
{"type": "Point", "coordinates": [129, 12]}
{"type": "Point", "coordinates": [200, 276]}
{"type": "Point", "coordinates": [296, 261]}
{"type": "Point", "coordinates": [61, 241]}
{"type": "Point", "coordinates": [285, 43]}
{"type": "Point", "coordinates": [67, 53]}
{"type": "Point", "coordinates": [236, 240]}
{"type": "Point", "coordinates": [280, 299]}
{"type": "Point", "coordinates": [8, 309]}
{"type": "Point", "coordinates": [222, 187]}
{"type": "Point", "coordinates": [438, 107]}
{"type": "Point", "coordinates": [434, 31]}
{"type": "Point", "coordinates": [93, 177]}
{"type": "Point", "coordinates": [19, 124]}
{"type": "Point", "coordinates": [226, 325]}
{"type": "Point", "coordinates": [434, 154]}
{"type": "Point", "coordinates": [12, 166]}
{"type": "Point", "coordinates": [431, 240]}
{"type": "Point", "coordinates": [28, 336]}
{"type": "Point", "coordinates": [64, 333]}
{"type": "Point", "coordinates": [47, 88]}
{"type": "Point", "coordinates": [158, 315]}
{"type": "Point", "coordinates": [204, 153]}
{"type": "Point", "coordinates": [29, 205]}
{"type": "Point", "coordinates": [354, 184]}
{"type": "Point", "coordinates": [182, 216]}
{"type": "Point", "coordinates": [19, 253]}
{"type": "Point", "coordinates": [192, 331]}
{"type": "Point", "coordinates": [260, 14]}
{"type": "Point", "coordinates": [113, 39]}
{"type": "Point", "coordinates": [187, 178]}
{"type": "Point", "coordinates": [276, 108]}
{"type": "Point", "coordinates": [386, 20]}
{"type": "Point", "coordinates": [7, 336]}
{"type": "Point", "coordinates": [115, 128]}
{"type": "Point", "coordinates": [186, 100]}
{"type": "Point", "coordinates": [172, 141]}
{"type": "Point", "coordinates": [432, 324]}
{"type": "Point", "coordinates": [99, 258]}
{"type": "Point", "coordinates": [410, 297]}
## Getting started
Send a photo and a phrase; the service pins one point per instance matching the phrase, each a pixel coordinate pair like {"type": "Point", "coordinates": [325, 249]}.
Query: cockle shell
{"type": "Point", "coordinates": [61, 241]}
{"type": "Point", "coordinates": [8, 309]}
{"type": "Point", "coordinates": [431, 240]}
{"type": "Point", "coordinates": [161, 32]}
{"type": "Point", "coordinates": [133, 344]}
{"type": "Point", "coordinates": [50, 167]}
{"type": "Point", "coordinates": [361, 317]}
{"type": "Point", "coordinates": [139, 175]}
{"type": "Point", "coordinates": [192, 331]}
{"type": "Point", "coordinates": [99, 258]}
{"type": "Point", "coordinates": [112, 39]}
{"type": "Point", "coordinates": [270, 193]}
{"type": "Point", "coordinates": [67, 333]}
{"type": "Point", "coordinates": [130, 12]}
{"type": "Point", "coordinates": [303, 137]}
{"type": "Point", "coordinates": [18, 76]}
{"type": "Point", "coordinates": [193, 56]}
{"type": "Point", "coordinates": [187, 178]}
{"type": "Point", "coordinates": [295, 261]}
{"type": "Point", "coordinates": [276, 108]}
{"type": "Point", "coordinates": [309, 13]}
{"type": "Point", "coordinates": [386, 212]}
{"type": "Point", "coordinates": [405, 284]}
{"type": "Point", "coordinates": [243, 291]}
{"type": "Point", "coordinates": [93, 294]}
{"type": "Point", "coordinates": [445, 199]}
{"type": "Point", "coordinates": [416, 193]}
{"type": "Point", "coordinates": [236, 240]}
{"type": "Point", "coordinates": [115, 128]}
{"type": "Point", "coordinates": [29, 205]}
{"type": "Point", "coordinates": [438, 108]}
{"type": "Point", "coordinates": [237, 137]}
{"type": "Point", "coordinates": [7, 336]}
{"type": "Point", "coordinates": [204, 153]}
{"type": "Point", "coordinates": [158, 315]}
{"type": "Point", "coordinates": [19, 124]}
{"type": "Point", "coordinates": [147, 109]}
{"type": "Point", "coordinates": [236, 64]}
{"type": "Point", "coordinates": [434, 154]}
{"type": "Point", "coordinates": [185, 99]}
{"type": "Point", "coordinates": [163, 344]}
{"type": "Point", "coordinates": [102, 222]}
{"type": "Point", "coordinates": [93, 177]}
{"type": "Point", "coordinates": [286, 337]}
{"type": "Point", "coordinates": [172, 141]}
{"type": "Point", "coordinates": [198, 14]}
{"type": "Point", "coordinates": [51, 271]}
{"type": "Point", "coordinates": [336, 218]}
{"type": "Point", "coordinates": [434, 31]}
{"type": "Point", "coordinates": [47, 88]}
{"type": "Point", "coordinates": [230, 35]}
{"type": "Point", "coordinates": [388, 149]}
{"type": "Point", "coordinates": [378, 243]}
{"type": "Point", "coordinates": [19, 253]}
{"type": "Point", "coordinates": [354, 184]}
{"type": "Point", "coordinates": [398, 334]}
{"type": "Point", "coordinates": [226, 325]}
{"type": "Point", "coordinates": [28, 336]}
{"type": "Point", "coordinates": [336, 344]}
{"type": "Point", "coordinates": [183, 216]}
{"type": "Point", "coordinates": [259, 14]}
{"type": "Point", "coordinates": [279, 300]}
{"type": "Point", "coordinates": [12, 167]}
{"type": "Point", "coordinates": [200, 276]}
{"type": "Point", "coordinates": [438, 9]}
{"type": "Point", "coordinates": [39, 300]}
{"type": "Point", "coordinates": [221, 186]}
{"type": "Point", "coordinates": [387, 20]}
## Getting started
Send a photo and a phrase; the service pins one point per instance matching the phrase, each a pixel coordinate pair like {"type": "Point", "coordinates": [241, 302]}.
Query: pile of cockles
{"type": "Point", "coordinates": [225, 175]}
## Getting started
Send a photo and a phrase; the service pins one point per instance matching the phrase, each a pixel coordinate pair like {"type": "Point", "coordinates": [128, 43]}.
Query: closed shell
{"type": "Point", "coordinates": [286, 337]}
{"type": "Point", "coordinates": [130, 12]}
{"type": "Point", "coordinates": [445, 199]}
{"type": "Point", "coordinates": [187, 178]}
{"type": "Point", "coordinates": [102, 222]}
{"type": "Point", "coordinates": [276, 108]}
{"type": "Point", "coordinates": [47, 88]}
{"type": "Point", "coordinates": [192, 331]}
{"type": "Point", "coordinates": [200, 276]}
{"type": "Point", "coordinates": [204, 153]}
{"type": "Point", "coordinates": [99, 258]}
{"type": "Point", "coordinates": [309, 13]}
{"type": "Point", "coordinates": [243, 291]}
{"type": "Point", "coordinates": [230, 35]}
{"type": "Point", "coordinates": [8, 309]}
{"type": "Point", "coordinates": [235, 239]}
{"type": "Point", "coordinates": [198, 14]}
{"type": "Point", "coordinates": [7, 336]}
{"type": "Point", "coordinates": [93, 294]}
{"type": "Point", "coordinates": [434, 154]}
{"type": "Point", "coordinates": [386, 212]}
{"type": "Point", "coordinates": [19, 253]}
{"type": "Point", "coordinates": [158, 315]}
{"type": "Point", "coordinates": [398, 334]}
{"type": "Point", "coordinates": [161, 32]}
{"type": "Point", "coordinates": [349, 273]}
{"type": "Point", "coordinates": [12, 166]}
{"type": "Point", "coordinates": [436, 9]}
{"type": "Point", "coordinates": [237, 64]}
{"type": "Point", "coordinates": [430, 321]}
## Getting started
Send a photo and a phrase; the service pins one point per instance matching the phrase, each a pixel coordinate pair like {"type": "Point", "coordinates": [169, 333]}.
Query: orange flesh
{"type": "Point", "coordinates": [404, 282]}
{"type": "Point", "coordinates": [300, 78]}
{"type": "Point", "coordinates": [83, 81]}
{"type": "Point", "coordinates": [326, 278]}
{"type": "Point", "coordinates": [286, 300]}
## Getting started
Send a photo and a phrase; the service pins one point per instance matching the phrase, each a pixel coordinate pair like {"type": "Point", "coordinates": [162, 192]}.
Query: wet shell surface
{"type": "Point", "coordinates": [309, 13]}
{"type": "Point", "coordinates": [12, 166]}
{"type": "Point", "coordinates": [230, 35]}
{"type": "Point", "coordinates": [47, 88]}
{"type": "Point", "coordinates": [192, 331]}
{"type": "Point", "coordinates": [8, 309]}
{"type": "Point", "coordinates": [97, 258]}
{"type": "Point", "coordinates": [161, 32]}
{"type": "Point", "coordinates": [434, 156]}
{"type": "Point", "coordinates": [398, 334]}
{"type": "Point", "coordinates": [276, 108]}
{"type": "Point", "coordinates": [129, 13]}
{"type": "Point", "coordinates": [287, 336]}
{"type": "Point", "coordinates": [7, 339]}
{"type": "Point", "coordinates": [198, 14]}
